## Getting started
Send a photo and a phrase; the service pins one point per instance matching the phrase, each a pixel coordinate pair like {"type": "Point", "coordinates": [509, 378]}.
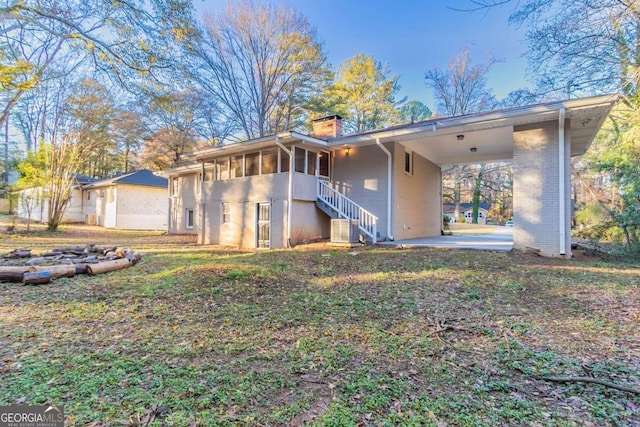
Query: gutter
{"type": "Point", "coordinates": [490, 119]}
{"type": "Point", "coordinates": [389, 187]}
{"type": "Point", "coordinates": [561, 173]}
{"type": "Point", "coordinates": [202, 203]}
{"type": "Point", "coordinates": [307, 138]}
{"type": "Point", "coordinates": [290, 193]}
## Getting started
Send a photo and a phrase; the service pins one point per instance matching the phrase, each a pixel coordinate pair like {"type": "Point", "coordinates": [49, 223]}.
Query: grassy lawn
{"type": "Point", "coordinates": [204, 336]}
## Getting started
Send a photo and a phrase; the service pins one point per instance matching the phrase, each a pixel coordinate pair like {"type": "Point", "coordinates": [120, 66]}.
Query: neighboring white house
{"type": "Point", "coordinates": [35, 199]}
{"type": "Point", "coordinates": [132, 201]}
{"type": "Point", "coordinates": [386, 184]}
{"type": "Point", "coordinates": [466, 211]}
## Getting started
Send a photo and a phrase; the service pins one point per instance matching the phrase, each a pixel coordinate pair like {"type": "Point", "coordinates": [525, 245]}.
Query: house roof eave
{"type": "Point", "coordinates": [253, 144]}
{"type": "Point", "coordinates": [498, 118]}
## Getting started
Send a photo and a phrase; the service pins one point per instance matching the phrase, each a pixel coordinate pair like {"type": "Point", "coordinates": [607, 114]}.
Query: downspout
{"type": "Point", "coordinates": [561, 169]}
{"type": "Point", "coordinates": [389, 187]}
{"type": "Point", "coordinates": [290, 193]}
{"type": "Point", "coordinates": [202, 207]}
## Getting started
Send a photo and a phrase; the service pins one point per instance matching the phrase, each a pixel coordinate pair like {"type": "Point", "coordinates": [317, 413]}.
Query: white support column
{"type": "Point", "coordinates": [389, 188]}
{"type": "Point", "coordinates": [561, 181]}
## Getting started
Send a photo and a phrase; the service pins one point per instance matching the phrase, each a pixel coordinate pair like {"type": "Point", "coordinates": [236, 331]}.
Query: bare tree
{"type": "Point", "coordinates": [461, 88]}
{"type": "Point", "coordinates": [129, 132]}
{"type": "Point", "coordinates": [579, 46]}
{"type": "Point", "coordinates": [261, 61]}
{"type": "Point", "coordinates": [122, 37]}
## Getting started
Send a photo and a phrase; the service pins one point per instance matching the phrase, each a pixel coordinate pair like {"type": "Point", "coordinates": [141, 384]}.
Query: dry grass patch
{"type": "Point", "coordinates": [323, 336]}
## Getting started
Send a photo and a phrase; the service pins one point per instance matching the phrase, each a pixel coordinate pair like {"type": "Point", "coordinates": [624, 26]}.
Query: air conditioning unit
{"type": "Point", "coordinates": [90, 219]}
{"type": "Point", "coordinates": [344, 231]}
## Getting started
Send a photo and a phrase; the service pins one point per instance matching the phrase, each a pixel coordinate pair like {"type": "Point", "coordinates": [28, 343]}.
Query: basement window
{"type": "Point", "coordinates": [188, 217]}
{"type": "Point", "coordinates": [226, 213]}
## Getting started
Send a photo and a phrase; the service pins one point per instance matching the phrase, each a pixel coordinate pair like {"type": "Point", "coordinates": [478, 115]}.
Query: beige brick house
{"type": "Point", "coordinates": [284, 189]}
{"type": "Point", "coordinates": [132, 201]}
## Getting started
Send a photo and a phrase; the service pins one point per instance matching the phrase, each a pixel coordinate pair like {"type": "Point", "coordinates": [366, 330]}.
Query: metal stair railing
{"type": "Point", "coordinates": [348, 209]}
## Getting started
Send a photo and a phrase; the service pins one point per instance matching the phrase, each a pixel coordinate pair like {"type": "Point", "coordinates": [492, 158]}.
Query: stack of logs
{"type": "Point", "coordinates": [21, 266]}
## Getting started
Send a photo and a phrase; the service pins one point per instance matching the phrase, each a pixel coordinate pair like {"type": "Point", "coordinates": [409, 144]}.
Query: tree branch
{"type": "Point", "coordinates": [590, 380]}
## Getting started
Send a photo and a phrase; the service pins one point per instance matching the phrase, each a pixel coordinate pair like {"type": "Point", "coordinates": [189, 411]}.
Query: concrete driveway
{"type": "Point", "coordinates": [497, 239]}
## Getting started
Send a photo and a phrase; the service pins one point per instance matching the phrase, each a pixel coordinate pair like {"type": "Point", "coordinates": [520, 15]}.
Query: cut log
{"type": "Point", "coordinates": [14, 274]}
{"type": "Point", "coordinates": [36, 278]}
{"type": "Point", "coordinates": [50, 254]}
{"type": "Point", "coordinates": [81, 268]}
{"type": "Point", "coordinates": [11, 276]}
{"type": "Point", "coordinates": [55, 271]}
{"type": "Point", "coordinates": [75, 250]}
{"type": "Point", "coordinates": [19, 253]}
{"type": "Point", "coordinates": [132, 257]}
{"type": "Point", "coordinates": [107, 266]}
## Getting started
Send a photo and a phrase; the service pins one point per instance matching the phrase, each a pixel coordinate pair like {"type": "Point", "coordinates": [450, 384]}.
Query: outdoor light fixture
{"type": "Point", "coordinates": [346, 151]}
{"type": "Point", "coordinates": [460, 137]}
{"type": "Point", "coordinates": [473, 149]}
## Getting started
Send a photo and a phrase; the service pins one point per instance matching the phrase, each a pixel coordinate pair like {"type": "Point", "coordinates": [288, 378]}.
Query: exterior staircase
{"type": "Point", "coordinates": [339, 206]}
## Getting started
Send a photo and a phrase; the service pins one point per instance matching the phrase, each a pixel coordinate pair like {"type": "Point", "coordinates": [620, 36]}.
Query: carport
{"type": "Point", "coordinates": [539, 140]}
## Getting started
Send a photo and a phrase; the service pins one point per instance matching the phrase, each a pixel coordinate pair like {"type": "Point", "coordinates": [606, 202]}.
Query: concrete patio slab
{"type": "Point", "coordinates": [501, 239]}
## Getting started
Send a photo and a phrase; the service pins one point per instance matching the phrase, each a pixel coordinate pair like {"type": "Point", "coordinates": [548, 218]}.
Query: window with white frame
{"type": "Point", "coordinates": [174, 186]}
{"type": "Point", "coordinates": [408, 162]}
{"type": "Point", "coordinates": [226, 213]}
{"type": "Point", "coordinates": [188, 218]}
{"type": "Point", "coordinates": [323, 163]}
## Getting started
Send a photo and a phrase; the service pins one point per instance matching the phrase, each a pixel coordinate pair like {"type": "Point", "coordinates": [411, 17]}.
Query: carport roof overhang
{"type": "Point", "coordinates": [491, 133]}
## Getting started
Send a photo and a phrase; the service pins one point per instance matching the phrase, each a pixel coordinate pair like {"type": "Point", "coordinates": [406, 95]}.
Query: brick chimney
{"type": "Point", "coordinates": [330, 126]}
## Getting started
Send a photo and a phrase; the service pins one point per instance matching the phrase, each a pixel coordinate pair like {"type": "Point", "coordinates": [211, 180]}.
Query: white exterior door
{"type": "Point", "coordinates": [111, 211]}
{"type": "Point", "coordinates": [263, 226]}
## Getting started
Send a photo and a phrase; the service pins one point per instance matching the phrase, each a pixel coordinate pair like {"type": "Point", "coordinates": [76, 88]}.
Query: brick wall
{"type": "Point", "coordinates": [536, 189]}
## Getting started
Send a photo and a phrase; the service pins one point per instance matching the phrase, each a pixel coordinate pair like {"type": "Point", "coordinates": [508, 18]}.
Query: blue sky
{"type": "Point", "coordinates": [412, 36]}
